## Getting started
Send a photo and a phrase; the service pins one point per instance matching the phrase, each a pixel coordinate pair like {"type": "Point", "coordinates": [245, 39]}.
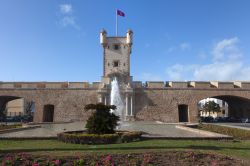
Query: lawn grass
{"type": "Point", "coordinates": [4, 127]}
{"type": "Point", "coordinates": [239, 149]}
{"type": "Point", "coordinates": [234, 132]}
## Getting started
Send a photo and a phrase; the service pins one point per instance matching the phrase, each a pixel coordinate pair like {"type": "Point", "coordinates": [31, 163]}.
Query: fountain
{"type": "Point", "coordinates": [116, 100]}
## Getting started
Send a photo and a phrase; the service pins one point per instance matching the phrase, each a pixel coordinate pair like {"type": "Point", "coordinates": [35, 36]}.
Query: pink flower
{"type": "Point", "coordinates": [214, 163]}
{"type": "Point", "coordinates": [108, 158]}
{"type": "Point", "coordinates": [57, 162]}
{"type": "Point", "coordinates": [35, 164]}
{"type": "Point", "coordinates": [108, 161]}
{"type": "Point", "coordinates": [147, 158]}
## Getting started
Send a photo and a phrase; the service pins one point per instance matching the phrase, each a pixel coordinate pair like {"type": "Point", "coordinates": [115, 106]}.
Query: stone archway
{"type": "Point", "coordinates": [3, 102]}
{"type": "Point", "coordinates": [238, 107]}
{"type": "Point", "coordinates": [48, 113]}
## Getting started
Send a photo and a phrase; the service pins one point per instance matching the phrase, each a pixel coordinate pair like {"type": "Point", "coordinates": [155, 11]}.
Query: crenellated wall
{"type": "Point", "coordinates": [135, 84]}
{"type": "Point", "coordinates": [193, 84]}
{"type": "Point", "coordinates": [152, 100]}
{"type": "Point", "coordinates": [49, 85]}
{"type": "Point", "coordinates": [160, 100]}
{"type": "Point", "coordinates": [68, 98]}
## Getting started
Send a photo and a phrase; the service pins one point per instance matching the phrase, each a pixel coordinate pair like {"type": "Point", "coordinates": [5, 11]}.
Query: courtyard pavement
{"type": "Point", "coordinates": [152, 128]}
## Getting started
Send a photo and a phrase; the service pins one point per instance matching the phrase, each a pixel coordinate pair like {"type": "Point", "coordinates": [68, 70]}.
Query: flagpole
{"type": "Point", "coordinates": [116, 25]}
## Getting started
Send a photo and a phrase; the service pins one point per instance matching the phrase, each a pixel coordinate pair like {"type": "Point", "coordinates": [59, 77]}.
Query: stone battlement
{"type": "Point", "coordinates": [192, 84]}
{"type": "Point", "coordinates": [49, 85]}
{"type": "Point", "coordinates": [135, 84]}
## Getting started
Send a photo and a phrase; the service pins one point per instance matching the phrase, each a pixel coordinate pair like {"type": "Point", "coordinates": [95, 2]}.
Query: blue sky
{"type": "Point", "coordinates": [183, 40]}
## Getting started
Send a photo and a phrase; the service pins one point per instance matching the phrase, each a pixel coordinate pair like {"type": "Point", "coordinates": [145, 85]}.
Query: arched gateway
{"type": "Point", "coordinates": [163, 101]}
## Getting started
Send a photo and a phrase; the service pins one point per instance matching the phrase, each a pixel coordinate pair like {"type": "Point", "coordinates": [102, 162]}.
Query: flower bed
{"type": "Point", "coordinates": [185, 158]}
{"type": "Point", "coordinates": [81, 137]}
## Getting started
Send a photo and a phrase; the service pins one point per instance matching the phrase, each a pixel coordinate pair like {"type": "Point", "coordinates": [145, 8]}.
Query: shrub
{"type": "Point", "coordinates": [130, 136]}
{"type": "Point", "coordinates": [4, 127]}
{"type": "Point", "coordinates": [79, 162]}
{"type": "Point", "coordinates": [85, 138]}
{"type": "Point", "coordinates": [102, 121]}
{"type": "Point", "coordinates": [88, 138]}
{"type": "Point", "coordinates": [236, 133]}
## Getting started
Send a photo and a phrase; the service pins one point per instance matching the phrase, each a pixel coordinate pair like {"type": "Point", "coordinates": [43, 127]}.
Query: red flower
{"type": "Point", "coordinates": [35, 164]}
{"type": "Point", "coordinates": [57, 162]}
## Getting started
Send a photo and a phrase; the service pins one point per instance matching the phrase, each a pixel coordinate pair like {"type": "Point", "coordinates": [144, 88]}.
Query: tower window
{"type": "Point", "coordinates": [116, 63]}
{"type": "Point", "coordinates": [116, 47]}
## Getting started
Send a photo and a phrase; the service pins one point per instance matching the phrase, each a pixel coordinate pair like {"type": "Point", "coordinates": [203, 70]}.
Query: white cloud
{"type": "Point", "coordinates": [185, 46]}
{"type": "Point", "coordinates": [179, 72]}
{"type": "Point", "coordinates": [69, 21]}
{"type": "Point", "coordinates": [218, 71]}
{"type": "Point", "coordinates": [226, 47]}
{"type": "Point", "coordinates": [226, 64]}
{"type": "Point", "coordinates": [67, 18]}
{"type": "Point", "coordinates": [181, 47]}
{"type": "Point", "coordinates": [66, 8]}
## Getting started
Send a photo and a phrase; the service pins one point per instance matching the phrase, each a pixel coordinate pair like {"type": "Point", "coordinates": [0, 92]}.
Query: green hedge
{"type": "Point", "coordinates": [234, 132]}
{"type": "Point", "coordinates": [84, 138]}
{"type": "Point", "coordinates": [130, 136]}
{"type": "Point", "coordinates": [4, 127]}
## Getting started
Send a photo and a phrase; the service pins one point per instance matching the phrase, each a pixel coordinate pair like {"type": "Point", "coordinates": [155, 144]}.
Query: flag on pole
{"type": "Point", "coordinates": [120, 13]}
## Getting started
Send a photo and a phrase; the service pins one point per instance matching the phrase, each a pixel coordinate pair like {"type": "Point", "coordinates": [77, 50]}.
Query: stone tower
{"type": "Point", "coordinates": [116, 63]}
{"type": "Point", "coordinates": [116, 57]}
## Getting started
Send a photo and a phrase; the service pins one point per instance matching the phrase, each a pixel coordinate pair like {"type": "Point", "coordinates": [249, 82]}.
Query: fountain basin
{"type": "Point", "coordinates": [82, 137]}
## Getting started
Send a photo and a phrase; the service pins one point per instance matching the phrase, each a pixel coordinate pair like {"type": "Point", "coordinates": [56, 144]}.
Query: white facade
{"type": "Point", "coordinates": [15, 107]}
{"type": "Point", "coordinates": [223, 107]}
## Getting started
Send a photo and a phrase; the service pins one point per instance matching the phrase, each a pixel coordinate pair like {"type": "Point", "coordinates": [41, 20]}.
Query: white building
{"type": "Point", "coordinates": [223, 107]}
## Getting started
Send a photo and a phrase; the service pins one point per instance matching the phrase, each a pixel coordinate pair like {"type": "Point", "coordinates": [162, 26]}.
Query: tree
{"type": "Point", "coordinates": [102, 121]}
{"type": "Point", "coordinates": [211, 106]}
{"type": "Point", "coordinates": [3, 113]}
{"type": "Point", "coordinates": [29, 105]}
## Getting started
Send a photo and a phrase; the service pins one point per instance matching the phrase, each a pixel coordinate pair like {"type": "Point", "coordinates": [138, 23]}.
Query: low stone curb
{"type": "Point", "coordinates": [207, 133]}
{"type": "Point", "coordinates": [18, 129]}
{"type": "Point", "coordinates": [29, 138]}
{"type": "Point", "coordinates": [39, 123]}
{"type": "Point", "coordinates": [150, 137]}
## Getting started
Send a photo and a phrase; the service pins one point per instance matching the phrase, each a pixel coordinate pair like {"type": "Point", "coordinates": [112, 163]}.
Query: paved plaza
{"type": "Point", "coordinates": [149, 128]}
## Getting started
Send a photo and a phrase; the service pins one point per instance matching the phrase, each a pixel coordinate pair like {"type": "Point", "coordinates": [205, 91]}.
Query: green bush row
{"type": "Point", "coordinates": [130, 136]}
{"type": "Point", "coordinates": [4, 127]}
{"type": "Point", "coordinates": [84, 138]}
{"type": "Point", "coordinates": [234, 132]}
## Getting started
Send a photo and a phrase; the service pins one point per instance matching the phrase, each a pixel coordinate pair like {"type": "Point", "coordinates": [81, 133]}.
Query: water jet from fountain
{"type": "Point", "coordinates": [116, 99]}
